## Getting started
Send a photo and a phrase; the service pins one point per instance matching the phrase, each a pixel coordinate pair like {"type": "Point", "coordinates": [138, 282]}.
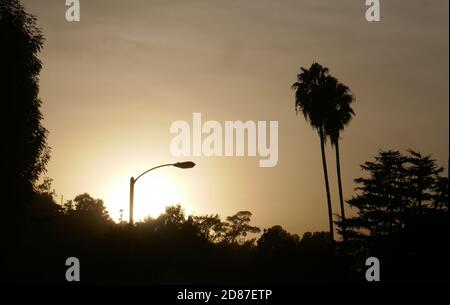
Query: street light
{"type": "Point", "coordinates": [183, 165]}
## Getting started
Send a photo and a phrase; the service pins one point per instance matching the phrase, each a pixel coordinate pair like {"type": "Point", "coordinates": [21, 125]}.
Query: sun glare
{"type": "Point", "coordinates": [152, 194]}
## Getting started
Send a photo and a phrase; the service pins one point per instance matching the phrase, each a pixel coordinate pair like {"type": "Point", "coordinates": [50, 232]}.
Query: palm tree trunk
{"type": "Point", "coordinates": [327, 186]}
{"type": "Point", "coordinates": [341, 197]}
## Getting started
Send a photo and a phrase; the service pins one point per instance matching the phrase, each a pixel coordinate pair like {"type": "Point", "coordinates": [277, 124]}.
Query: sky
{"type": "Point", "coordinates": [113, 83]}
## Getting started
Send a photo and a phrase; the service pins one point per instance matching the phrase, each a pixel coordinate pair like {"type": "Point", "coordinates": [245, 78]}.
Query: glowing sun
{"type": "Point", "coordinates": [152, 194]}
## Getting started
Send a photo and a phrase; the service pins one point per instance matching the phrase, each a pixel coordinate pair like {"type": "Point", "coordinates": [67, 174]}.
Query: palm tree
{"type": "Point", "coordinates": [339, 116]}
{"type": "Point", "coordinates": [310, 99]}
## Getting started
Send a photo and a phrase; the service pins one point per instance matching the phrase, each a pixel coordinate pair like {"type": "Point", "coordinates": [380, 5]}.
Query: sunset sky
{"type": "Point", "coordinates": [113, 83]}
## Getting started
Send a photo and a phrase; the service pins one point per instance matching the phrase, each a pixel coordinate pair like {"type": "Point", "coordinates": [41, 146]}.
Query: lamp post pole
{"type": "Point", "coordinates": [131, 199]}
{"type": "Point", "coordinates": [184, 165]}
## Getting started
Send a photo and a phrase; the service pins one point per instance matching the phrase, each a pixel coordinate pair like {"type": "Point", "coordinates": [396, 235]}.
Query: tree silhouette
{"type": "Point", "coordinates": [26, 152]}
{"type": "Point", "coordinates": [211, 227]}
{"type": "Point", "coordinates": [312, 100]}
{"type": "Point", "coordinates": [421, 172]}
{"type": "Point", "coordinates": [397, 190]}
{"type": "Point", "coordinates": [315, 240]}
{"type": "Point", "coordinates": [87, 207]}
{"type": "Point", "coordinates": [400, 217]}
{"type": "Point", "coordinates": [45, 187]}
{"type": "Point", "coordinates": [174, 215]}
{"type": "Point", "coordinates": [440, 193]}
{"type": "Point", "coordinates": [339, 116]}
{"type": "Point", "coordinates": [275, 241]}
{"type": "Point", "coordinates": [43, 206]}
{"type": "Point", "coordinates": [239, 226]}
{"type": "Point", "coordinates": [68, 207]}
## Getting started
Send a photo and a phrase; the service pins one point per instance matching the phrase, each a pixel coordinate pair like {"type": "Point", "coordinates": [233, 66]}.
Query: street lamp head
{"type": "Point", "coordinates": [187, 164]}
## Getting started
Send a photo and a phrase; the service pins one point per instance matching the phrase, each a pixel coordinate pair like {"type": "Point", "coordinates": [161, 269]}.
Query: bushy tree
{"type": "Point", "coordinates": [239, 226]}
{"type": "Point", "coordinates": [401, 217]}
{"type": "Point", "coordinates": [43, 206]}
{"type": "Point", "coordinates": [25, 152]}
{"type": "Point", "coordinates": [440, 193]}
{"type": "Point", "coordinates": [397, 188]}
{"type": "Point", "coordinates": [174, 215]}
{"type": "Point", "coordinates": [87, 207]}
{"type": "Point", "coordinates": [422, 175]}
{"type": "Point", "coordinates": [211, 227]}
{"type": "Point", "coordinates": [275, 241]}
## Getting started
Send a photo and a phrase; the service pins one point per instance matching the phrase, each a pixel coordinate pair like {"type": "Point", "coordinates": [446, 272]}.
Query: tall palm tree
{"type": "Point", "coordinates": [339, 116]}
{"type": "Point", "coordinates": [310, 99]}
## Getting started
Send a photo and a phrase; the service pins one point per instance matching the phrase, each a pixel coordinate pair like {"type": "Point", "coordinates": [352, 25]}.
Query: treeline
{"type": "Point", "coordinates": [173, 248]}
{"type": "Point", "coordinates": [400, 217]}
